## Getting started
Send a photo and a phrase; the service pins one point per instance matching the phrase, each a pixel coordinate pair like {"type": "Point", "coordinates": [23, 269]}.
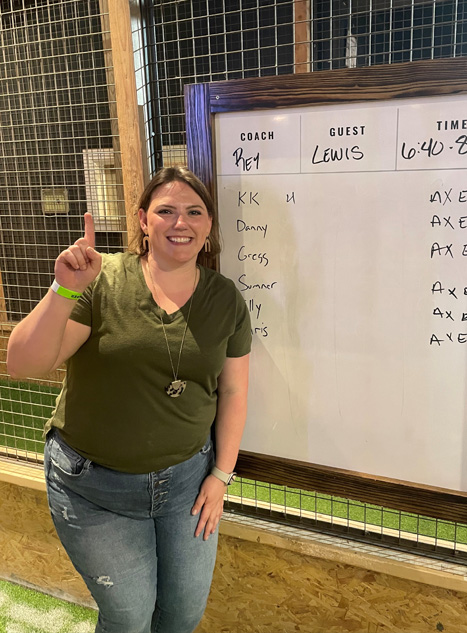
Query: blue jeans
{"type": "Point", "coordinates": [131, 537]}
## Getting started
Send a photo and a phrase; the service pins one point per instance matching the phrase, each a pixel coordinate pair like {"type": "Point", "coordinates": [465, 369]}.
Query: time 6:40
{"type": "Point", "coordinates": [432, 147]}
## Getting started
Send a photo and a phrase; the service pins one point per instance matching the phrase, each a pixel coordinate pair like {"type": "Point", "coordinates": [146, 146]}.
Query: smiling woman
{"type": "Point", "coordinates": [177, 224]}
{"type": "Point", "coordinates": [170, 175]}
{"type": "Point", "coordinates": [157, 349]}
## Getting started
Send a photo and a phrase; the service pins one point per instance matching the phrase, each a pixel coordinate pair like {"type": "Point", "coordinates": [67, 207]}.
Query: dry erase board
{"type": "Point", "coordinates": [345, 229]}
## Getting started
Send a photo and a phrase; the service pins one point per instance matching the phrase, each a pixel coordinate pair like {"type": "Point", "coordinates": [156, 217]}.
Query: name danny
{"type": "Point", "coordinates": [243, 226]}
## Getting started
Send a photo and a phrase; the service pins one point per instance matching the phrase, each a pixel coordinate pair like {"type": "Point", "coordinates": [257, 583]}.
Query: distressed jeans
{"type": "Point", "coordinates": [131, 537]}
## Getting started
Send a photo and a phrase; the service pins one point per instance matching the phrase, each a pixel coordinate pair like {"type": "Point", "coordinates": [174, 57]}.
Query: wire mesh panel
{"type": "Point", "coordinates": [366, 32]}
{"type": "Point", "coordinates": [201, 41]}
{"type": "Point", "coordinates": [351, 519]}
{"type": "Point", "coordinates": [58, 159]}
{"type": "Point", "coordinates": [211, 40]}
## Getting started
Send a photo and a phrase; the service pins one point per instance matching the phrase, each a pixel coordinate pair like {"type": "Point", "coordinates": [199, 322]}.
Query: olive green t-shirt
{"type": "Point", "coordinates": [113, 408]}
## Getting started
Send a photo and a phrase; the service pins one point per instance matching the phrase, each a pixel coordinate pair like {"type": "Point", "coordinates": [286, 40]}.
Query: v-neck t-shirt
{"type": "Point", "coordinates": [113, 408]}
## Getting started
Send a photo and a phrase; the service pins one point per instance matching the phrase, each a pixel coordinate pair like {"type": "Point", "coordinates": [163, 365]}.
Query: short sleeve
{"type": "Point", "coordinates": [82, 312]}
{"type": "Point", "coordinates": [239, 343]}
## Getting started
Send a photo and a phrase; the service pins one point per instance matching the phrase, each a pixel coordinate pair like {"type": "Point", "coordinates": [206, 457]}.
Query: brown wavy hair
{"type": "Point", "coordinates": [180, 174]}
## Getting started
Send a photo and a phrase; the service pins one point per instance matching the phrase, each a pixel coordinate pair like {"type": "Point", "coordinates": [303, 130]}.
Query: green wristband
{"type": "Point", "coordinates": [64, 292]}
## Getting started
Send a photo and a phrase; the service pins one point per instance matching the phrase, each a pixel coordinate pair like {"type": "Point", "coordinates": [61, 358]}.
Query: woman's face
{"type": "Point", "coordinates": [177, 223]}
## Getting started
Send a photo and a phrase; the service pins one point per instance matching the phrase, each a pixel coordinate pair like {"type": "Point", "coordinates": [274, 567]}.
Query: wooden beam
{"type": "Point", "coordinates": [199, 133]}
{"type": "Point", "coordinates": [349, 85]}
{"type": "Point", "coordinates": [21, 474]}
{"type": "Point", "coordinates": [123, 87]}
{"type": "Point", "coordinates": [302, 36]}
{"type": "Point", "coordinates": [3, 314]}
{"type": "Point", "coordinates": [406, 496]}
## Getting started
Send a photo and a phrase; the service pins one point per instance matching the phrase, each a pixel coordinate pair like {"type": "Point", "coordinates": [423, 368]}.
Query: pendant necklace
{"type": "Point", "coordinates": [176, 387]}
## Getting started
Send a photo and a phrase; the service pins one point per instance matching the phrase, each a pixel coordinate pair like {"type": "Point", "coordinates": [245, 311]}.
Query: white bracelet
{"type": "Point", "coordinates": [226, 478]}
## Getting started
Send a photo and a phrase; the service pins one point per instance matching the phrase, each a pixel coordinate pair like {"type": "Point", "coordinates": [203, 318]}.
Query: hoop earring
{"type": "Point", "coordinates": [207, 245]}
{"type": "Point", "coordinates": [146, 244]}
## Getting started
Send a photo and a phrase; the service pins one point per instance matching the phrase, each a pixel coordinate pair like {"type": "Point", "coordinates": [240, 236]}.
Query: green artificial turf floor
{"type": "Point", "coordinates": [26, 611]}
{"type": "Point", "coordinates": [349, 510]}
{"type": "Point", "coordinates": [24, 408]}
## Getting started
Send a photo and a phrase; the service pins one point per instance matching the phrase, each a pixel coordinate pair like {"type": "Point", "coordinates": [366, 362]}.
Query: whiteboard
{"type": "Point", "coordinates": [345, 230]}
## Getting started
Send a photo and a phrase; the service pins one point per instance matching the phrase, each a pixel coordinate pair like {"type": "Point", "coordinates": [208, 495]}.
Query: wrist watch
{"type": "Point", "coordinates": [226, 478]}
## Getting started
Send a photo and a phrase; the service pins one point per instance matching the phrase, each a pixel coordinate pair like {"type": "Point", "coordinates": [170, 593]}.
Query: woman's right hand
{"type": "Point", "coordinates": [77, 266]}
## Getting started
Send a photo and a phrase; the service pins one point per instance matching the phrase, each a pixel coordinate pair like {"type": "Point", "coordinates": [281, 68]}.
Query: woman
{"type": "Point", "coordinates": [156, 349]}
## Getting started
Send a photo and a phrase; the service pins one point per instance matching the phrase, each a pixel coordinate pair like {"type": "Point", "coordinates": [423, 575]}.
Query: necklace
{"type": "Point", "coordinates": [176, 387]}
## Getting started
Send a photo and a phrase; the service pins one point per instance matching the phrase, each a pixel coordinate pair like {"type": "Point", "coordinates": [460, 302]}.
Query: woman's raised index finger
{"type": "Point", "coordinates": [89, 234]}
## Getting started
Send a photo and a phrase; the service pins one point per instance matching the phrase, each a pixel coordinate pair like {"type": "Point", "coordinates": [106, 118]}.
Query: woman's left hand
{"type": "Point", "coordinates": [210, 502]}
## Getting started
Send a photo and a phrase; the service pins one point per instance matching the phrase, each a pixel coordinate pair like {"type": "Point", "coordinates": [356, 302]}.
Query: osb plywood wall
{"type": "Point", "coordinates": [262, 589]}
{"type": "Point", "coordinates": [256, 589]}
{"type": "Point", "coordinates": [30, 549]}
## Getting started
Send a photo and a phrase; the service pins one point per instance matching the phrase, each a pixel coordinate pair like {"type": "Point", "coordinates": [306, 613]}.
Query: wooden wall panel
{"type": "Point", "coordinates": [261, 589]}
{"type": "Point", "coordinates": [257, 588]}
{"type": "Point", "coordinates": [31, 551]}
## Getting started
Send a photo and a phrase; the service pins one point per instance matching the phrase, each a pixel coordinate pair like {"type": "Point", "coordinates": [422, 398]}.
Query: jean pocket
{"type": "Point", "coordinates": [65, 459]}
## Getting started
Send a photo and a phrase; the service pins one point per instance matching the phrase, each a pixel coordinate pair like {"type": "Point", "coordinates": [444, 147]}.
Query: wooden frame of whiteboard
{"type": "Point", "coordinates": [377, 83]}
